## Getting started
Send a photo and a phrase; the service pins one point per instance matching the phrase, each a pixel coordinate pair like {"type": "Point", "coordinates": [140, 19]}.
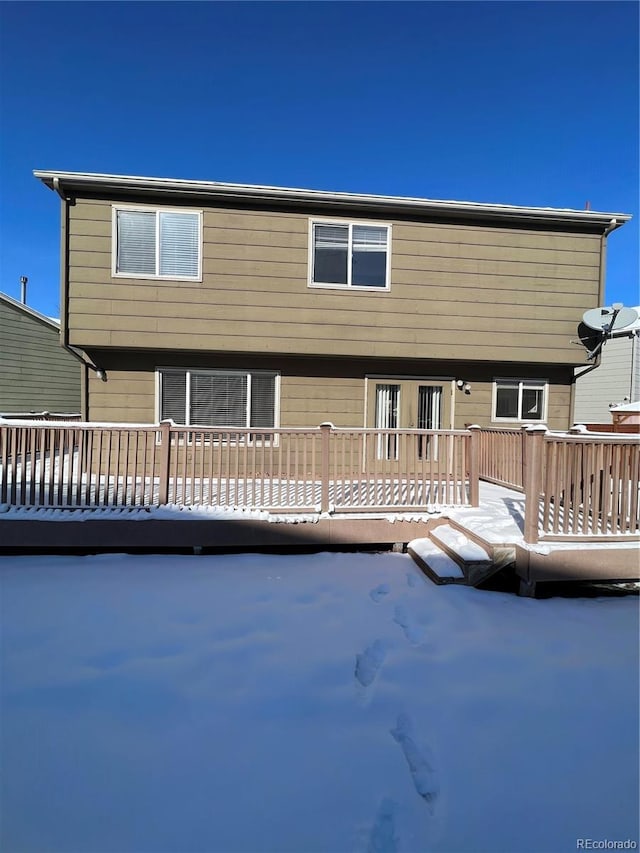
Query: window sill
{"type": "Point", "coordinates": [349, 287]}
{"type": "Point", "coordinates": [145, 277]}
{"type": "Point", "coordinates": [521, 421]}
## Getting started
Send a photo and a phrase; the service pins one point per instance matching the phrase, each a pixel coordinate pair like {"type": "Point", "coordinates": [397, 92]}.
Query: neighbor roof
{"type": "Point", "coordinates": [74, 182]}
{"type": "Point", "coordinates": [49, 321]}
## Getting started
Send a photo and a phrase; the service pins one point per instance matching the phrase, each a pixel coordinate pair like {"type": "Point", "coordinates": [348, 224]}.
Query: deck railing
{"type": "Point", "coordinates": [319, 469]}
{"type": "Point", "coordinates": [581, 486]}
{"type": "Point", "coordinates": [577, 486]}
{"type": "Point", "coordinates": [501, 456]}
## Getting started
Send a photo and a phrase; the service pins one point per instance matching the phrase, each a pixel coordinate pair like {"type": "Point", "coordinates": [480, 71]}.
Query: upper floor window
{"type": "Point", "coordinates": [350, 254]}
{"type": "Point", "coordinates": [157, 243]}
{"type": "Point", "coordinates": [519, 400]}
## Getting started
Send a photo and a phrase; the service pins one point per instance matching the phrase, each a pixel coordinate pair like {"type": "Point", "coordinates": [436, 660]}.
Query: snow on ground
{"type": "Point", "coordinates": [333, 702]}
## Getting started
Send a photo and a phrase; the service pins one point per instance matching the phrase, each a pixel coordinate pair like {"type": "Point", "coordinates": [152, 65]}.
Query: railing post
{"type": "Point", "coordinates": [474, 464]}
{"type": "Point", "coordinates": [325, 433]}
{"type": "Point", "coordinates": [165, 445]}
{"type": "Point", "coordinates": [533, 456]}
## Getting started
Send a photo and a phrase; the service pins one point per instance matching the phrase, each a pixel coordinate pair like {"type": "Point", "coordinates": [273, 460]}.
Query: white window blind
{"type": "Point", "coordinates": [158, 243]}
{"type": "Point", "coordinates": [136, 242]}
{"type": "Point", "coordinates": [179, 238]}
{"type": "Point", "coordinates": [218, 398]}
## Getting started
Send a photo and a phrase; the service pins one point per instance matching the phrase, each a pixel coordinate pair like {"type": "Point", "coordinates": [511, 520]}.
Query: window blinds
{"type": "Point", "coordinates": [158, 243]}
{"type": "Point", "coordinates": [218, 399]}
{"type": "Point", "coordinates": [136, 242]}
{"type": "Point", "coordinates": [215, 398]}
{"type": "Point", "coordinates": [174, 397]}
{"type": "Point", "coordinates": [179, 233]}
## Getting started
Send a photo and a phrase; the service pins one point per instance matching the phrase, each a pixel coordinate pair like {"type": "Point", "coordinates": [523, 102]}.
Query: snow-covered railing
{"type": "Point", "coordinates": [580, 485]}
{"type": "Point", "coordinates": [40, 416]}
{"type": "Point", "coordinates": [320, 469]}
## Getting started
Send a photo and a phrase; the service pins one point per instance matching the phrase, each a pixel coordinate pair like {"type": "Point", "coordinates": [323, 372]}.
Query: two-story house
{"type": "Point", "coordinates": [237, 305]}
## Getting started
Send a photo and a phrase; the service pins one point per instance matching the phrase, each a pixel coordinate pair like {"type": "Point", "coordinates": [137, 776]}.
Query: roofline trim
{"type": "Point", "coordinates": [58, 180]}
{"type": "Point", "coordinates": [55, 324]}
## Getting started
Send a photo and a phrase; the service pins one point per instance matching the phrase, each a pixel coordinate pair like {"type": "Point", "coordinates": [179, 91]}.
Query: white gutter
{"type": "Point", "coordinates": [86, 180]}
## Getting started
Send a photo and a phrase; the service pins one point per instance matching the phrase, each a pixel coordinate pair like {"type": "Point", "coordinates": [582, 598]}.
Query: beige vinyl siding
{"type": "Point", "coordinates": [313, 391]}
{"type": "Point", "coordinates": [609, 383]}
{"type": "Point", "coordinates": [309, 401]}
{"type": "Point", "coordinates": [36, 374]}
{"type": "Point", "coordinates": [126, 396]}
{"type": "Point", "coordinates": [462, 291]}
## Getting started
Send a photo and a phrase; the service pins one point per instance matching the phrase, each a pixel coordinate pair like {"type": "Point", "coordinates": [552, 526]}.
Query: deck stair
{"type": "Point", "coordinates": [453, 554]}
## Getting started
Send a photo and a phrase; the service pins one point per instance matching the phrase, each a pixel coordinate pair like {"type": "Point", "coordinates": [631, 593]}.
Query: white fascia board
{"type": "Point", "coordinates": [215, 189]}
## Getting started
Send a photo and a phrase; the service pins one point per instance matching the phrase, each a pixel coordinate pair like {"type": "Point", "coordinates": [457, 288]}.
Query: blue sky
{"type": "Point", "coordinates": [517, 103]}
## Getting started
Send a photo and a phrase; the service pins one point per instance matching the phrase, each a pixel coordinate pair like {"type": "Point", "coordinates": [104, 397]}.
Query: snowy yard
{"type": "Point", "coordinates": [330, 703]}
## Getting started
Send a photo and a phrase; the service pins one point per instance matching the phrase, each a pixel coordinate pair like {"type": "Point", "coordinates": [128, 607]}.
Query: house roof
{"type": "Point", "coordinates": [70, 183]}
{"type": "Point", "coordinates": [30, 312]}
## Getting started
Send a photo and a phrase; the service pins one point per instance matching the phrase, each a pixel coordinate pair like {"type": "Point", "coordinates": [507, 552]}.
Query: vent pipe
{"type": "Point", "coordinates": [23, 289]}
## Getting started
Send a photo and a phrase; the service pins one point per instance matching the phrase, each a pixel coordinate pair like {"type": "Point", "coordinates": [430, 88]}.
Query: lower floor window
{"type": "Point", "coordinates": [218, 398]}
{"type": "Point", "coordinates": [519, 400]}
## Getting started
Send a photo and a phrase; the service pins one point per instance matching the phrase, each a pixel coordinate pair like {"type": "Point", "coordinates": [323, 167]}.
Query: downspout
{"type": "Point", "coordinates": [613, 224]}
{"type": "Point", "coordinates": [64, 306]}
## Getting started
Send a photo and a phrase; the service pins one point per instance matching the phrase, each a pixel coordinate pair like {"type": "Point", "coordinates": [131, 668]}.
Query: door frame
{"type": "Point", "coordinates": [399, 378]}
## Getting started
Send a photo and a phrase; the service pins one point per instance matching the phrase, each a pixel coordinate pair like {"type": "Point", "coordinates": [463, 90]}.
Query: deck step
{"type": "Point", "coordinates": [435, 563]}
{"type": "Point", "coordinates": [459, 546]}
{"type": "Point", "coordinates": [477, 562]}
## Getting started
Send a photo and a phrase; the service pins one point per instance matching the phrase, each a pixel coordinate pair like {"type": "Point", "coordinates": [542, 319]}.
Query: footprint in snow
{"type": "Point", "coordinates": [412, 579]}
{"type": "Point", "coordinates": [412, 630]}
{"type": "Point", "coordinates": [383, 832]}
{"type": "Point", "coordinates": [379, 592]}
{"type": "Point", "coordinates": [369, 662]}
{"type": "Point", "coordinates": [423, 775]}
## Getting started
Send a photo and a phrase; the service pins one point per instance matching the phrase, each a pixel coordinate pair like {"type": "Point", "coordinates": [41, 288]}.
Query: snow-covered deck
{"type": "Point", "coordinates": [498, 522]}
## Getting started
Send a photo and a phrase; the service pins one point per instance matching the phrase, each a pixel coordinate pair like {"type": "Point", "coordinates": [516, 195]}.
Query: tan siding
{"type": "Point", "coordinates": [336, 392]}
{"type": "Point", "coordinates": [308, 401]}
{"type": "Point", "coordinates": [127, 395]}
{"type": "Point", "coordinates": [495, 348]}
{"type": "Point", "coordinates": [478, 293]}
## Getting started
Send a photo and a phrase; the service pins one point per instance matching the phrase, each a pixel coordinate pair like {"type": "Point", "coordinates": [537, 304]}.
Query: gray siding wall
{"type": "Point", "coordinates": [610, 382]}
{"type": "Point", "coordinates": [468, 292]}
{"type": "Point", "coordinates": [36, 374]}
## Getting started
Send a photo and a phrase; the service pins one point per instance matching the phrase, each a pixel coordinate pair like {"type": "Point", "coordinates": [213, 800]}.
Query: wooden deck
{"type": "Point", "coordinates": [569, 508]}
{"type": "Point", "coordinates": [496, 526]}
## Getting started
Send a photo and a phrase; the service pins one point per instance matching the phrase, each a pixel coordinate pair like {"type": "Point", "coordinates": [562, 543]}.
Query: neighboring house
{"type": "Point", "coordinates": [216, 304]}
{"type": "Point", "coordinates": [626, 415]}
{"type": "Point", "coordinates": [36, 374]}
{"type": "Point", "coordinates": [616, 379]}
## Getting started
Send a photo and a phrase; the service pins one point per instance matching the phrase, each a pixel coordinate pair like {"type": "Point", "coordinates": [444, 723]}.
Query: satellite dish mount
{"type": "Point", "coordinates": [605, 321]}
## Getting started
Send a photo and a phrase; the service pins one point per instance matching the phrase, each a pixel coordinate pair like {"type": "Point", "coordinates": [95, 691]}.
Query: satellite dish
{"type": "Point", "coordinates": [604, 321]}
{"type": "Point", "coordinates": [609, 319]}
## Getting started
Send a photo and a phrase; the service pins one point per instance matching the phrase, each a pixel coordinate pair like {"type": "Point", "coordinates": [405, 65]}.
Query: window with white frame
{"type": "Point", "coordinates": [349, 254]}
{"type": "Point", "coordinates": [519, 400]}
{"type": "Point", "coordinates": [218, 398]}
{"type": "Point", "coordinates": [159, 243]}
